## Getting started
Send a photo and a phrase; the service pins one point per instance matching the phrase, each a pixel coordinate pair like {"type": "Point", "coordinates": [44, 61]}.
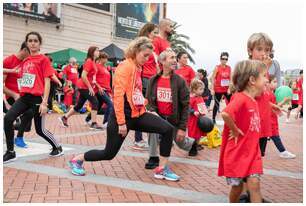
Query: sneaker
{"type": "Point", "coordinates": [141, 146]}
{"type": "Point", "coordinates": [88, 120]}
{"type": "Point", "coordinates": [64, 121]}
{"type": "Point", "coordinates": [19, 142]}
{"type": "Point", "coordinates": [76, 167]}
{"type": "Point", "coordinates": [104, 126]}
{"type": "Point", "coordinates": [95, 126]}
{"type": "Point", "coordinates": [193, 151]}
{"type": "Point", "coordinates": [165, 173]}
{"type": "Point", "coordinates": [244, 198]}
{"type": "Point", "coordinates": [56, 152]}
{"type": "Point", "coordinates": [9, 156]}
{"type": "Point", "coordinates": [200, 147]}
{"type": "Point", "coordinates": [287, 155]}
{"type": "Point", "coordinates": [287, 121]}
{"type": "Point", "coordinates": [50, 111]}
{"type": "Point", "coordinates": [152, 163]}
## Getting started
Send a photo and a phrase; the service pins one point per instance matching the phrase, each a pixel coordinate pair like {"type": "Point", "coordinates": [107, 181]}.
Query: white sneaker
{"type": "Point", "coordinates": [287, 121]}
{"type": "Point", "coordinates": [104, 126]}
{"type": "Point", "coordinates": [287, 155]}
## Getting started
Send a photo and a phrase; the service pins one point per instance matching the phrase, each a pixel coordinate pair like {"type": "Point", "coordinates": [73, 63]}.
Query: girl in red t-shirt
{"type": "Point", "coordinates": [36, 72]}
{"type": "Point", "coordinates": [295, 98]}
{"type": "Point", "coordinates": [240, 159]}
{"type": "Point", "coordinates": [197, 108]}
{"type": "Point", "coordinates": [86, 87]}
{"type": "Point", "coordinates": [274, 120]}
{"type": "Point", "coordinates": [68, 94]}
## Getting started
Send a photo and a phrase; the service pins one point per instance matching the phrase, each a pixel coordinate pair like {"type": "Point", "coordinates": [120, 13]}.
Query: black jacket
{"type": "Point", "coordinates": [180, 99]}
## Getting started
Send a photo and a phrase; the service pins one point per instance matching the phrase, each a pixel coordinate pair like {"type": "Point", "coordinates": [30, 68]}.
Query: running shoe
{"type": "Point", "coordinates": [152, 163]}
{"type": "Point", "coordinates": [64, 121]}
{"type": "Point", "coordinates": [19, 142]}
{"type": "Point", "coordinates": [76, 167]}
{"type": "Point", "coordinates": [95, 126]}
{"type": "Point", "coordinates": [287, 155]}
{"type": "Point", "coordinates": [9, 156]}
{"type": "Point", "coordinates": [165, 173]}
{"type": "Point", "coordinates": [56, 152]}
{"type": "Point", "coordinates": [142, 145]}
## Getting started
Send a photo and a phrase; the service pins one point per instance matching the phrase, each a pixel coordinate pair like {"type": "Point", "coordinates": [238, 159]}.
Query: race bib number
{"type": "Point", "coordinates": [164, 95]}
{"type": "Point", "coordinates": [28, 80]}
{"type": "Point", "coordinates": [225, 82]}
{"type": "Point", "coordinates": [74, 71]}
{"type": "Point", "coordinates": [138, 98]}
{"type": "Point", "coordinates": [295, 97]}
{"type": "Point", "coordinates": [202, 108]}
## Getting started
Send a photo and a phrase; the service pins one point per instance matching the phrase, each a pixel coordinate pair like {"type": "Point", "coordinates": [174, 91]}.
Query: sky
{"type": "Point", "coordinates": [217, 27]}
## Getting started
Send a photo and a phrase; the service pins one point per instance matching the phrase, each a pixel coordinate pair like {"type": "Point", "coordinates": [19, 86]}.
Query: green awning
{"type": "Point", "coordinates": [63, 56]}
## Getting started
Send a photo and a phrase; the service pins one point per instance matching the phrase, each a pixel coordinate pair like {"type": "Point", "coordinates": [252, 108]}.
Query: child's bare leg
{"type": "Point", "coordinates": [235, 193]}
{"type": "Point", "coordinates": [253, 185]}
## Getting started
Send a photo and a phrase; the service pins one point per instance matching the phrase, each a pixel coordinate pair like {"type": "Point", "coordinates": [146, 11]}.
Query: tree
{"type": "Point", "coordinates": [179, 43]}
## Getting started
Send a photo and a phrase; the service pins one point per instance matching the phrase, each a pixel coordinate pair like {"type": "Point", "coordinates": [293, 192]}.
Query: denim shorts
{"type": "Point", "coordinates": [236, 181]}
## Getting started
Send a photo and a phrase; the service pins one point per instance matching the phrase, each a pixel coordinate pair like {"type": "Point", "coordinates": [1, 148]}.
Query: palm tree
{"type": "Point", "coordinates": [179, 43]}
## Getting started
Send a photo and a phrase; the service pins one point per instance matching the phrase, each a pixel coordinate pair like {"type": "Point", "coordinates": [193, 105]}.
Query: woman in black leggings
{"type": "Point", "coordinates": [36, 71]}
{"type": "Point", "coordinates": [86, 86]}
{"type": "Point", "coordinates": [130, 114]}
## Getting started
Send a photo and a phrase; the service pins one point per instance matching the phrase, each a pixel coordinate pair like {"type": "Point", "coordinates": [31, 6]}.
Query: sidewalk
{"type": "Point", "coordinates": [35, 177]}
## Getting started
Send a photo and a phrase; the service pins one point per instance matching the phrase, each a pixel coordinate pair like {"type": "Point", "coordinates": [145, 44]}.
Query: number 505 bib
{"type": "Point", "coordinates": [27, 80]}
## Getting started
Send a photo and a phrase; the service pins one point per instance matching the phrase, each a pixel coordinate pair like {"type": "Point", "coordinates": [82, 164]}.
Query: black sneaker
{"type": "Point", "coordinates": [95, 126]}
{"type": "Point", "coordinates": [9, 156]}
{"type": "Point", "coordinates": [152, 163]}
{"type": "Point", "coordinates": [56, 152]}
{"type": "Point", "coordinates": [200, 147]}
{"type": "Point", "coordinates": [244, 198]}
{"type": "Point", "coordinates": [64, 121]}
{"type": "Point", "coordinates": [87, 120]}
{"type": "Point", "coordinates": [193, 151]}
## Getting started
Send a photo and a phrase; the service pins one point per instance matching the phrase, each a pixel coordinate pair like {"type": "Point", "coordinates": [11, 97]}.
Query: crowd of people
{"type": "Point", "coordinates": [155, 91]}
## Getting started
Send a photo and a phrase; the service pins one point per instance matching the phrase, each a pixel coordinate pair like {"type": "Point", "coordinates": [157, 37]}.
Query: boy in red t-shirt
{"type": "Point", "coordinates": [274, 120]}
{"type": "Point", "coordinates": [240, 159]}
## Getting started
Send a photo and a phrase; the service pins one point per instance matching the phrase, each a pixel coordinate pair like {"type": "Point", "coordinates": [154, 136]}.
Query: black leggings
{"type": "Point", "coordinates": [24, 103]}
{"type": "Point", "coordinates": [103, 98]}
{"type": "Point", "coordinates": [84, 95]}
{"type": "Point", "coordinates": [277, 142]}
{"type": "Point", "coordinates": [53, 87]}
{"type": "Point", "coordinates": [218, 97]}
{"type": "Point", "coordinates": [25, 122]}
{"type": "Point", "coordinates": [145, 123]}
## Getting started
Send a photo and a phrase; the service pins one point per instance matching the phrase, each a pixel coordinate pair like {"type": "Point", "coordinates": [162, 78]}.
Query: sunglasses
{"type": "Point", "coordinates": [224, 59]}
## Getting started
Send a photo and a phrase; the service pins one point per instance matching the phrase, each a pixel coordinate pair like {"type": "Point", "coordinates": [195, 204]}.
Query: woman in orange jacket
{"type": "Point", "coordinates": [130, 113]}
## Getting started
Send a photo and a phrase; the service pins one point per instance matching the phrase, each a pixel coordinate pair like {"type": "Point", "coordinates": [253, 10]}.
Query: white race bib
{"type": "Point", "coordinates": [73, 70]}
{"type": "Point", "coordinates": [225, 82]}
{"type": "Point", "coordinates": [295, 97]}
{"type": "Point", "coordinates": [202, 108]}
{"type": "Point", "coordinates": [164, 94]}
{"type": "Point", "coordinates": [28, 80]}
{"type": "Point", "coordinates": [138, 98]}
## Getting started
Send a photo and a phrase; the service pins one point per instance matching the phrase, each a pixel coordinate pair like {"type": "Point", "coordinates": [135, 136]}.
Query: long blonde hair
{"type": "Point", "coordinates": [137, 45]}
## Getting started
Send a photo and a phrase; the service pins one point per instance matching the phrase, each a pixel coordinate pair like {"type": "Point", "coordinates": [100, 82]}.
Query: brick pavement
{"type": "Point", "coordinates": [21, 185]}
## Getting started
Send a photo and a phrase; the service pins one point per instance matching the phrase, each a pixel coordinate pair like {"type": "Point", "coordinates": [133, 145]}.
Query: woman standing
{"type": "Point", "coordinates": [36, 72]}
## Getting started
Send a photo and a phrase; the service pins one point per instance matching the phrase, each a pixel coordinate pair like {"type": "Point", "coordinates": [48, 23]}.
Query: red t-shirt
{"type": "Point", "coordinates": [187, 73]}
{"type": "Point", "coordinates": [149, 68]}
{"type": "Point", "coordinates": [274, 117]}
{"type": "Point", "coordinates": [244, 158]}
{"type": "Point", "coordinates": [198, 105]}
{"type": "Point", "coordinates": [103, 77]}
{"type": "Point", "coordinates": [91, 69]}
{"type": "Point", "coordinates": [164, 96]}
{"type": "Point", "coordinates": [12, 62]}
{"type": "Point", "coordinates": [71, 74]}
{"type": "Point", "coordinates": [300, 86]}
{"type": "Point", "coordinates": [160, 45]}
{"type": "Point", "coordinates": [68, 97]}
{"type": "Point", "coordinates": [263, 102]}
{"type": "Point", "coordinates": [34, 70]}
{"type": "Point", "coordinates": [222, 79]}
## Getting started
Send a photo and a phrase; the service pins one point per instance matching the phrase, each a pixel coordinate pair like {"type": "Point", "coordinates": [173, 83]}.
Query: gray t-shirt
{"type": "Point", "coordinates": [275, 70]}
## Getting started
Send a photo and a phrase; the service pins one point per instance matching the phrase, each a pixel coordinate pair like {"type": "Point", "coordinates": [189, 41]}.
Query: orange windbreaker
{"type": "Point", "coordinates": [124, 82]}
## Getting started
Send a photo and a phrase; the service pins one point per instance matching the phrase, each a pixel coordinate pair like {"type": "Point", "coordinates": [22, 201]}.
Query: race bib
{"type": "Point", "coordinates": [164, 94]}
{"type": "Point", "coordinates": [73, 70]}
{"type": "Point", "coordinates": [295, 97]}
{"type": "Point", "coordinates": [28, 80]}
{"type": "Point", "coordinates": [225, 82]}
{"type": "Point", "coordinates": [138, 98]}
{"type": "Point", "coordinates": [202, 108]}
